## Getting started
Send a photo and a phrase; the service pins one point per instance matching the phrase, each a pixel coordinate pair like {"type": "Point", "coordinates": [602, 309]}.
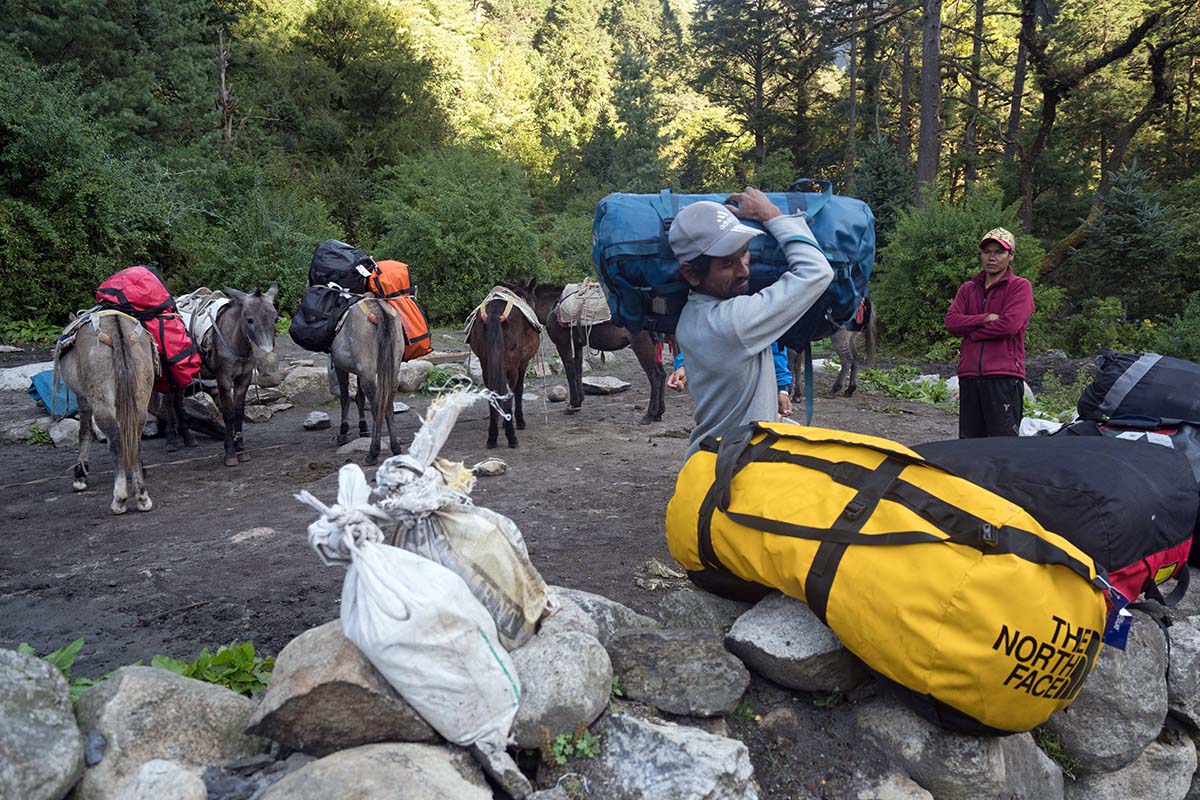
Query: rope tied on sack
{"type": "Point", "coordinates": [348, 522]}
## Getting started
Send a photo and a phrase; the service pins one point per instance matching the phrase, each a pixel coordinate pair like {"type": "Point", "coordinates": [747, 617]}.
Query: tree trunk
{"type": "Point", "coordinates": [904, 135]}
{"type": "Point", "coordinates": [970, 142]}
{"type": "Point", "coordinates": [852, 122]}
{"type": "Point", "coordinates": [225, 102]}
{"type": "Point", "coordinates": [1187, 113]}
{"type": "Point", "coordinates": [928, 142]}
{"type": "Point", "coordinates": [1013, 129]}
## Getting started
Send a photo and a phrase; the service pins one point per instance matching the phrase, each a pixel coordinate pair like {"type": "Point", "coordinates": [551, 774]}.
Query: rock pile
{"type": "Point", "coordinates": [611, 700]}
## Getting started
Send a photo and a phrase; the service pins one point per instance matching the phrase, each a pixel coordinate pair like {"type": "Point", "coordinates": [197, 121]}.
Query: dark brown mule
{"type": "Point", "coordinates": [605, 337]}
{"type": "Point", "coordinates": [851, 347]}
{"type": "Point", "coordinates": [242, 337]}
{"type": "Point", "coordinates": [504, 341]}
{"type": "Point", "coordinates": [371, 345]}
{"type": "Point", "coordinates": [111, 369]}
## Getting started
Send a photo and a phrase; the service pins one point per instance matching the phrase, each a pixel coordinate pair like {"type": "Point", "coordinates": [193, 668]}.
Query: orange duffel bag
{"type": "Point", "coordinates": [392, 283]}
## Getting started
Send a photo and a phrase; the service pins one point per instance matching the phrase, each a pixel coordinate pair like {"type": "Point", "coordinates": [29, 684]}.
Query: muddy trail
{"type": "Point", "coordinates": [223, 555]}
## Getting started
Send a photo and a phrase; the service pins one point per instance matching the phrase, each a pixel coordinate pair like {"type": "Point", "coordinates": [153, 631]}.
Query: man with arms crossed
{"type": "Point", "coordinates": [724, 331]}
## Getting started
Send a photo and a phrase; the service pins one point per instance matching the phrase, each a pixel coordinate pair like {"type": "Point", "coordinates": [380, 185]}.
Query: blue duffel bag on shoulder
{"type": "Point", "coordinates": [634, 262]}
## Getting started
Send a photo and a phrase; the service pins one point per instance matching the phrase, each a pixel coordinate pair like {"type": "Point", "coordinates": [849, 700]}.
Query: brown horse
{"type": "Point", "coordinates": [241, 338]}
{"type": "Point", "coordinates": [605, 337]}
{"type": "Point", "coordinates": [371, 345]}
{"type": "Point", "coordinates": [111, 369]}
{"type": "Point", "coordinates": [504, 341]}
{"type": "Point", "coordinates": [851, 347]}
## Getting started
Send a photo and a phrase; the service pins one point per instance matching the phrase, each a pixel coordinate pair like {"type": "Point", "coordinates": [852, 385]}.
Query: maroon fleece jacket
{"type": "Point", "coordinates": [994, 348]}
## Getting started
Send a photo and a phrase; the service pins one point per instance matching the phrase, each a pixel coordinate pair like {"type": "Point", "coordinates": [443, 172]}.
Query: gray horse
{"type": "Point", "coordinates": [851, 347]}
{"type": "Point", "coordinates": [607, 337]}
{"type": "Point", "coordinates": [371, 345]}
{"type": "Point", "coordinates": [111, 369]}
{"type": "Point", "coordinates": [242, 338]}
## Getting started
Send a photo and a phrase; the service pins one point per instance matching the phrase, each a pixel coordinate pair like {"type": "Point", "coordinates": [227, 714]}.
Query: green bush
{"type": "Point", "coordinates": [1181, 335]}
{"type": "Point", "coordinates": [234, 666]}
{"type": "Point", "coordinates": [1101, 325]}
{"type": "Point", "coordinates": [932, 251]}
{"type": "Point", "coordinates": [461, 218]}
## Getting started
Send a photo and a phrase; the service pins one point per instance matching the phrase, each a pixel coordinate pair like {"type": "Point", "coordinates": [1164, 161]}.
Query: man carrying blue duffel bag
{"type": "Point", "coordinates": [725, 331]}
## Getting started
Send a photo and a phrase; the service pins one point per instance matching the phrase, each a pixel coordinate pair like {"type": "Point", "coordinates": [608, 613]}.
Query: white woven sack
{"type": "Point", "coordinates": [421, 627]}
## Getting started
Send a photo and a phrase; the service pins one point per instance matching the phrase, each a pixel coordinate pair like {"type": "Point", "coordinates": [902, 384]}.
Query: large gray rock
{"type": "Point", "coordinates": [609, 615]}
{"type": "Point", "coordinates": [307, 386]}
{"type": "Point", "coordinates": [781, 639]}
{"type": "Point", "coordinates": [656, 760]}
{"type": "Point", "coordinates": [64, 432]}
{"type": "Point", "coordinates": [324, 696]}
{"type": "Point", "coordinates": [557, 393]}
{"type": "Point", "coordinates": [566, 679]}
{"type": "Point", "coordinates": [17, 379]}
{"type": "Point", "coordinates": [603, 384]}
{"type": "Point", "coordinates": [957, 767]}
{"type": "Point", "coordinates": [412, 375]}
{"type": "Point", "coordinates": [316, 421]}
{"type": "Point", "coordinates": [263, 395]}
{"type": "Point", "coordinates": [1122, 704]}
{"type": "Point", "coordinates": [258, 414]}
{"type": "Point", "coordinates": [143, 713]}
{"type": "Point", "coordinates": [892, 786]}
{"type": "Point", "coordinates": [1163, 771]}
{"type": "Point", "coordinates": [384, 772]}
{"type": "Point", "coordinates": [688, 608]}
{"type": "Point", "coordinates": [158, 779]}
{"type": "Point", "coordinates": [1183, 679]}
{"type": "Point", "coordinates": [41, 750]}
{"type": "Point", "coordinates": [569, 617]}
{"type": "Point", "coordinates": [684, 671]}
{"type": "Point", "coordinates": [19, 431]}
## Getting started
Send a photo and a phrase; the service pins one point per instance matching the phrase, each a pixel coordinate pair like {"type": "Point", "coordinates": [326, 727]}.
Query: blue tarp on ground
{"type": "Point", "coordinates": [59, 404]}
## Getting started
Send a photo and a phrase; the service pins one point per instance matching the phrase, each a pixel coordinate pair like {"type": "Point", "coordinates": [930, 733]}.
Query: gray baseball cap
{"type": "Point", "coordinates": [710, 229]}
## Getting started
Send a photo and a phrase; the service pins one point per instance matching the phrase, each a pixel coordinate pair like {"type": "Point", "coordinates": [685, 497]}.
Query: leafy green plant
{"type": "Point", "coordinates": [282, 323]}
{"type": "Point", "coordinates": [744, 712]}
{"type": "Point", "coordinates": [439, 379]}
{"type": "Point", "coordinates": [234, 666]}
{"type": "Point", "coordinates": [35, 331]}
{"type": "Point", "coordinates": [1052, 745]}
{"type": "Point", "coordinates": [1056, 401]}
{"type": "Point", "coordinates": [64, 659]}
{"type": "Point", "coordinates": [901, 382]}
{"type": "Point", "coordinates": [834, 698]}
{"type": "Point", "coordinates": [580, 744]}
{"type": "Point", "coordinates": [38, 435]}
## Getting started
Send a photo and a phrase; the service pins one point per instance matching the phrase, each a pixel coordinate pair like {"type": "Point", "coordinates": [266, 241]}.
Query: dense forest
{"type": "Point", "coordinates": [219, 140]}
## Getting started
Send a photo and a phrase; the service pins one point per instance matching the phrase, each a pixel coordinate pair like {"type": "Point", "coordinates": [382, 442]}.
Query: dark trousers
{"type": "Point", "coordinates": [990, 406]}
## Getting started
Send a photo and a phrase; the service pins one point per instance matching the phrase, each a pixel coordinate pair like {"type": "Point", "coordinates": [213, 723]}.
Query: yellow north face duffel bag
{"type": "Point", "coordinates": [986, 622]}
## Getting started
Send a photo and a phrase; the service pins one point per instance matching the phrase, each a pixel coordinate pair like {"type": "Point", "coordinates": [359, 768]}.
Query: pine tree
{"type": "Point", "coordinates": [883, 181]}
{"type": "Point", "coordinates": [1129, 249]}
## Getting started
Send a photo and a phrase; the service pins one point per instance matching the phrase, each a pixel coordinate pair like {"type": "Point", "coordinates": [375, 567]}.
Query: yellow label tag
{"type": "Point", "coordinates": [1165, 572]}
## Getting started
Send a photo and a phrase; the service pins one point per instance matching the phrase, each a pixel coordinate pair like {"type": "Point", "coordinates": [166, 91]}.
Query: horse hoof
{"type": "Point", "coordinates": [118, 508]}
{"type": "Point", "coordinates": [520, 426]}
{"type": "Point", "coordinates": [145, 503]}
{"type": "Point", "coordinates": [342, 438]}
{"type": "Point", "coordinates": [512, 445]}
{"type": "Point", "coordinates": [231, 461]}
{"type": "Point", "coordinates": [363, 430]}
{"type": "Point", "coordinates": [491, 445]}
{"type": "Point", "coordinates": [78, 486]}
{"type": "Point", "coordinates": [371, 460]}
{"type": "Point", "coordinates": [243, 456]}
{"type": "Point", "coordinates": [572, 409]}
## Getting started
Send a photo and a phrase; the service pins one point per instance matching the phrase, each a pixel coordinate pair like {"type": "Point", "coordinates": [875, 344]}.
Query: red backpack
{"type": "Point", "coordinates": [142, 294]}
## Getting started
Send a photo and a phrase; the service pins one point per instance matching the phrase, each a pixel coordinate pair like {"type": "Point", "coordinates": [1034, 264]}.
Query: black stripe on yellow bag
{"type": "Point", "coordinates": [989, 622]}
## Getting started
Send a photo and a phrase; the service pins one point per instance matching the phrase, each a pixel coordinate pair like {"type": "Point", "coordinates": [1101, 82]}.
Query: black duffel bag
{"type": "Point", "coordinates": [1131, 508]}
{"type": "Point", "coordinates": [314, 324]}
{"type": "Point", "coordinates": [343, 264]}
{"type": "Point", "coordinates": [1142, 385]}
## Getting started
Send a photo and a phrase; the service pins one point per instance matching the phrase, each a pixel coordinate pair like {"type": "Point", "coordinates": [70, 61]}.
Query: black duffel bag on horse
{"type": "Point", "coordinates": [315, 322]}
{"type": "Point", "coordinates": [1143, 385]}
{"type": "Point", "coordinates": [1132, 509]}
{"type": "Point", "coordinates": [343, 264]}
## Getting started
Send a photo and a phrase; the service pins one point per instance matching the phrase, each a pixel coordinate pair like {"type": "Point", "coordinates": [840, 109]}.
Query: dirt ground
{"type": "Point", "coordinates": [223, 555]}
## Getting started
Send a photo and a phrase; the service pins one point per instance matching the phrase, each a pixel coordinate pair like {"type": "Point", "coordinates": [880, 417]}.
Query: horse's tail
{"type": "Point", "coordinates": [385, 366]}
{"type": "Point", "coordinates": [869, 335]}
{"type": "Point", "coordinates": [129, 422]}
{"type": "Point", "coordinates": [495, 376]}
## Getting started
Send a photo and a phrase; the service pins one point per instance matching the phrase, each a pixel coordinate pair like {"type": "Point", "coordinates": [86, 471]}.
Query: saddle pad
{"type": "Point", "coordinates": [508, 296]}
{"type": "Point", "coordinates": [583, 304]}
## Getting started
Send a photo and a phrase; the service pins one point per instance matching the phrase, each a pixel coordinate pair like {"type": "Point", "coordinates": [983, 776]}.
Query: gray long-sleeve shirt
{"type": "Point", "coordinates": [726, 344]}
